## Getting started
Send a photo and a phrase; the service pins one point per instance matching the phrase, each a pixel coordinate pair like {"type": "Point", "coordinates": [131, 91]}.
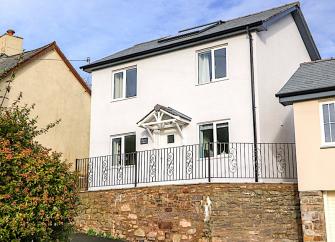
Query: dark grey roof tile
{"type": "Point", "coordinates": [310, 77]}
{"type": "Point", "coordinates": [7, 63]}
{"type": "Point", "coordinates": [223, 26]}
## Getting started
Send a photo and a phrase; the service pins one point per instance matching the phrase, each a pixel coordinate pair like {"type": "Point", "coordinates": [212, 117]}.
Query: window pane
{"type": "Point", "coordinates": [332, 128]}
{"type": "Point", "coordinates": [204, 67]}
{"type": "Point", "coordinates": [206, 140]}
{"type": "Point", "coordinates": [170, 139]}
{"type": "Point", "coordinates": [325, 113]}
{"type": "Point", "coordinates": [332, 112]}
{"type": "Point", "coordinates": [327, 132]}
{"type": "Point", "coordinates": [222, 133]}
{"type": "Point", "coordinates": [206, 126]}
{"type": "Point", "coordinates": [131, 82]}
{"type": "Point", "coordinates": [220, 63]}
{"type": "Point", "coordinates": [130, 149]}
{"type": "Point", "coordinates": [118, 85]}
{"type": "Point", "coordinates": [116, 151]}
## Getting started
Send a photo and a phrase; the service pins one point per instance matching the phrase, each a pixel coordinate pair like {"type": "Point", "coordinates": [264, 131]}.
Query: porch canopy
{"type": "Point", "coordinates": [162, 117]}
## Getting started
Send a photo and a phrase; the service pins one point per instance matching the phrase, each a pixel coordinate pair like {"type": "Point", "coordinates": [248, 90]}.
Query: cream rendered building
{"type": "Point", "coordinates": [311, 91]}
{"type": "Point", "coordinates": [47, 79]}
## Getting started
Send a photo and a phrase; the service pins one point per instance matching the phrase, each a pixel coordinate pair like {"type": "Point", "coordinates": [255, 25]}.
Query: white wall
{"type": "Point", "coordinates": [278, 53]}
{"type": "Point", "coordinates": [171, 80]}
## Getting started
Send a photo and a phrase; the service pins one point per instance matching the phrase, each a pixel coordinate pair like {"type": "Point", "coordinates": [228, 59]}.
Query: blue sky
{"type": "Point", "coordinates": [95, 29]}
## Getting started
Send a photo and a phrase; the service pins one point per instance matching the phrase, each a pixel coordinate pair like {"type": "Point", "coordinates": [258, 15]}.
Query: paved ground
{"type": "Point", "coordinates": [86, 238]}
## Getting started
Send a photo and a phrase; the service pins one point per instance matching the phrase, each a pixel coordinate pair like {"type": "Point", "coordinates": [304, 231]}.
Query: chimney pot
{"type": "Point", "coordinates": [10, 32]}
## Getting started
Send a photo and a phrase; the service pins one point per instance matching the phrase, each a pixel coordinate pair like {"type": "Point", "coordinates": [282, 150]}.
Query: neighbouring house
{"type": "Point", "coordinates": [47, 79]}
{"type": "Point", "coordinates": [311, 92]}
{"type": "Point", "coordinates": [161, 109]}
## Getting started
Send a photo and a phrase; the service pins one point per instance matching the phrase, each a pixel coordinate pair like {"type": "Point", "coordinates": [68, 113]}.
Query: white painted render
{"type": "Point", "coordinates": [278, 53]}
{"type": "Point", "coordinates": [171, 80]}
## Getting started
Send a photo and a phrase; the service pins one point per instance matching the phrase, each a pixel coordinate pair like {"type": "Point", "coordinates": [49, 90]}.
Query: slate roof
{"type": "Point", "coordinates": [222, 27]}
{"type": "Point", "coordinates": [168, 110]}
{"type": "Point", "coordinates": [9, 63]}
{"type": "Point", "coordinates": [172, 111]}
{"type": "Point", "coordinates": [310, 77]}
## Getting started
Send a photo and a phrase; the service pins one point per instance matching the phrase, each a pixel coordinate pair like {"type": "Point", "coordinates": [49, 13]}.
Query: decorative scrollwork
{"type": "Point", "coordinates": [281, 162]}
{"type": "Point", "coordinates": [90, 173]}
{"type": "Point", "coordinates": [232, 161]}
{"type": "Point", "coordinates": [170, 164]}
{"type": "Point", "coordinates": [152, 165]}
{"type": "Point", "coordinates": [189, 162]}
{"type": "Point", "coordinates": [104, 169]}
{"type": "Point", "coordinates": [120, 173]}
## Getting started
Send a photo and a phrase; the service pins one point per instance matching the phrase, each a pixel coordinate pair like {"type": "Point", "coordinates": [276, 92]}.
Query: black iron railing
{"type": "Point", "coordinates": [223, 162]}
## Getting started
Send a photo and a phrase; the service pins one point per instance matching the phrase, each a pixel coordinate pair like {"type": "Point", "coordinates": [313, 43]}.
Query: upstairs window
{"type": "Point", "coordinates": [125, 83]}
{"type": "Point", "coordinates": [328, 123]}
{"type": "Point", "coordinates": [212, 65]}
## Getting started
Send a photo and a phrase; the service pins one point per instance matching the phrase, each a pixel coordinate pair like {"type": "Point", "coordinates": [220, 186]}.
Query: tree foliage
{"type": "Point", "coordinates": [37, 191]}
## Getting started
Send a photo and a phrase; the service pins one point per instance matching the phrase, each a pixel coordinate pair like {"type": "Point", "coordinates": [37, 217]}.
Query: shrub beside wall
{"type": "Point", "coordinates": [37, 191]}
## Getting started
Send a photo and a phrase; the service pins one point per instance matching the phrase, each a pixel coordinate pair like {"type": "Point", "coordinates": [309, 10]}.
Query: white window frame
{"type": "Point", "coordinates": [324, 144]}
{"type": "Point", "coordinates": [124, 86]}
{"type": "Point", "coordinates": [212, 49]}
{"type": "Point", "coordinates": [122, 136]}
{"type": "Point", "coordinates": [215, 133]}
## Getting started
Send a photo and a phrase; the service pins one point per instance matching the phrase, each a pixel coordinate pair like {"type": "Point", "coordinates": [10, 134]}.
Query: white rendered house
{"type": "Point", "coordinates": [161, 109]}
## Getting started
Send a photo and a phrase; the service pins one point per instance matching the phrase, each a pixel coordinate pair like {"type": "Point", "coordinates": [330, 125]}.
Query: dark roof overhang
{"type": "Point", "coordinates": [255, 26]}
{"type": "Point", "coordinates": [290, 98]}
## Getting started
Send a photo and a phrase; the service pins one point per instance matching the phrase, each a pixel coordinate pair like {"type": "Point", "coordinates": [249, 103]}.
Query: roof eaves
{"type": "Point", "coordinates": [72, 69]}
{"type": "Point", "coordinates": [289, 100]}
{"type": "Point", "coordinates": [274, 18]}
{"type": "Point", "coordinates": [306, 34]}
{"type": "Point", "coordinates": [39, 51]}
{"type": "Point", "coordinates": [303, 92]}
{"type": "Point", "coordinates": [172, 47]}
{"type": "Point", "coordinates": [42, 50]}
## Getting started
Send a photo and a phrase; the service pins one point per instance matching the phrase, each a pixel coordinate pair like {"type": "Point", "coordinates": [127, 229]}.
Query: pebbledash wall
{"type": "Point", "coordinates": [201, 212]}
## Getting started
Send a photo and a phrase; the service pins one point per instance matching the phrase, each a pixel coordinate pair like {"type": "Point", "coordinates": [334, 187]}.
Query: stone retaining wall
{"type": "Point", "coordinates": [233, 212]}
{"type": "Point", "coordinates": [313, 216]}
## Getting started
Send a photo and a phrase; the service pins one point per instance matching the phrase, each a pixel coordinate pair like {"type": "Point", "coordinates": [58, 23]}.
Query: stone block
{"type": "Point", "coordinates": [185, 223]}
{"type": "Point", "coordinates": [176, 238]}
{"type": "Point", "coordinates": [139, 232]}
{"type": "Point", "coordinates": [165, 225]}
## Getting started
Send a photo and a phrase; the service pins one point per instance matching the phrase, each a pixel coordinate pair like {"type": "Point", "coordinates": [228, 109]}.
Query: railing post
{"type": "Point", "coordinates": [76, 165]}
{"type": "Point", "coordinates": [209, 163]}
{"type": "Point", "coordinates": [135, 169]}
{"type": "Point", "coordinates": [77, 171]}
{"type": "Point", "coordinates": [256, 161]}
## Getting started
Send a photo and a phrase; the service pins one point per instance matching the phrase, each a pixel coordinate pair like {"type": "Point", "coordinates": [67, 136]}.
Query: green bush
{"type": "Point", "coordinates": [37, 191]}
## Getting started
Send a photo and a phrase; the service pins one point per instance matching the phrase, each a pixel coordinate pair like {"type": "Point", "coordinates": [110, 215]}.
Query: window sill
{"type": "Point", "coordinates": [122, 99]}
{"type": "Point", "coordinates": [214, 81]}
{"type": "Point", "coordinates": [327, 146]}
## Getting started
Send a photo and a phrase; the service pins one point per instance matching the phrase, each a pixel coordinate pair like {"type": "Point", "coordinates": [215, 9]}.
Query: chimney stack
{"type": "Point", "coordinates": [10, 32]}
{"type": "Point", "coordinates": [10, 44]}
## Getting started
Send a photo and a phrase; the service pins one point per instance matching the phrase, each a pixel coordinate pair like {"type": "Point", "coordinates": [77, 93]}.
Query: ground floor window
{"type": "Point", "coordinates": [123, 149]}
{"type": "Point", "coordinates": [214, 138]}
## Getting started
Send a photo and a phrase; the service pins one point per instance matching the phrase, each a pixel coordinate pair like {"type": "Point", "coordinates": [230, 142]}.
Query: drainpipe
{"type": "Point", "coordinates": [253, 102]}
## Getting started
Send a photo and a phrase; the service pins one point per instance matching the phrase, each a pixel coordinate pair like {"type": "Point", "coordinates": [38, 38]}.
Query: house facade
{"type": "Point", "coordinates": [311, 93]}
{"type": "Point", "coordinates": [210, 87]}
{"type": "Point", "coordinates": [47, 79]}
